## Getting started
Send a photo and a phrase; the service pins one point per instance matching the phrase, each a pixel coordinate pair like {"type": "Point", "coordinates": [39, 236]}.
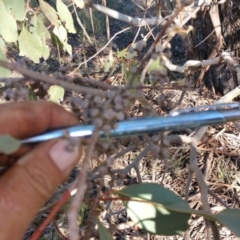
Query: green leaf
{"type": "Point", "coordinates": [8, 144]}
{"type": "Point", "coordinates": [31, 95]}
{"type": "Point", "coordinates": [41, 27]}
{"type": "Point", "coordinates": [32, 26]}
{"type": "Point", "coordinates": [122, 54]}
{"type": "Point", "coordinates": [68, 48]}
{"type": "Point", "coordinates": [17, 8]}
{"type": "Point", "coordinates": [45, 50]}
{"type": "Point", "coordinates": [65, 16]}
{"type": "Point", "coordinates": [79, 3]}
{"type": "Point", "coordinates": [56, 93]}
{"type": "Point", "coordinates": [38, 29]}
{"type": "Point", "coordinates": [131, 55]}
{"type": "Point", "coordinates": [103, 232]}
{"type": "Point", "coordinates": [8, 25]}
{"type": "Point", "coordinates": [156, 64]}
{"type": "Point", "coordinates": [61, 33]}
{"type": "Point", "coordinates": [56, 42]}
{"type": "Point", "coordinates": [156, 209]}
{"type": "Point", "coordinates": [2, 44]}
{"type": "Point", "coordinates": [30, 45]}
{"type": "Point", "coordinates": [49, 12]}
{"type": "Point", "coordinates": [4, 72]}
{"type": "Point", "coordinates": [231, 219]}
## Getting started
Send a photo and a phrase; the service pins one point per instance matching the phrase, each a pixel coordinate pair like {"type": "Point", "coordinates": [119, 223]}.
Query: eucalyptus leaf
{"type": "Point", "coordinates": [65, 16]}
{"type": "Point", "coordinates": [79, 3]}
{"type": "Point", "coordinates": [45, 48]}
{"type": "Point", "coordinates": [49, 12]}
{"type": "Point", "coordinates": [131, 55]}
{"type": "Point", "coordinates": [8, 144]}
{"type": "Point", "coordinates": [4, 72]}
{"type": "Point", "coordinates": [56, 42]}
{"type": "Point", "coordinates": [103, 232]}
{"type": "Point", "coordinates": [8, 25]}
{"type": "Point", "coordinates": [41, 27]}
{"type": "Point", "coordinates": [122, 53]}
{"type": "Point", "coordinates": [231, 219]}
{"type": "Point", "coordinates": [18, 8]}
{"type": "Point", "coordinates": [155, 64]}
{"type": "Point", "coordinates": [2, 44]}
{"type": "Point", "coordinates": [56, 93]}
{"type": "Point", "coordinates": [68, 48]}
{"type": "Point", "coordinates": [161, 211]}
{"type": "Point", "coordinates": [38, 29]}
{"type": "Point", "coordinates": [30, 45]}
{"type": "Point", "coordinates": [61, 34]}
{"type": "Point", "coordinates": [32, 26]}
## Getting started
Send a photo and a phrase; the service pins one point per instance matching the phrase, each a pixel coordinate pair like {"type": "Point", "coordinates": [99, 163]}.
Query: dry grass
{"type": "Point", "coordinates": [218, 152]}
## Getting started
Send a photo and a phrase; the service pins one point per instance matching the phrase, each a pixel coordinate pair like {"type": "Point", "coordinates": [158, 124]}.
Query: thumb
{"type": "Point", "coordinates": [26, 186]}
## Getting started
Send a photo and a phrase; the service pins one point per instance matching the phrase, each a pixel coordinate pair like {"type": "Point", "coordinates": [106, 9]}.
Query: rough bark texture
{"type": "Point", "coordinates": [219, 77]}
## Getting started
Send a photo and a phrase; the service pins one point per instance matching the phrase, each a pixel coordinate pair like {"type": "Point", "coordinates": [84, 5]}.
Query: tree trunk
{"type": "Point", "coordinates": [218, 77]}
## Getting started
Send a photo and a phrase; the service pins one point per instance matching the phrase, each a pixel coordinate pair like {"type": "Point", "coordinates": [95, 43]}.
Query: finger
{"type": "Point", "coordinates": [4, 159]}
{"type": "Point", "coordinates": [26, 186]}
{"type": "Point", "coordinates": [24, 119]}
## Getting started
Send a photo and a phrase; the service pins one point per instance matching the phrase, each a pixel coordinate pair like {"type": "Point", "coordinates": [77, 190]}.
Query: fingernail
{"type": "Point", "coordinates": [62, 157]}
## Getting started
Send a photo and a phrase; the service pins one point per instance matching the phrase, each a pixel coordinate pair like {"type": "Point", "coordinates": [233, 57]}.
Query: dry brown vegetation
{"type": "Point", "coordinates": [199, 165]}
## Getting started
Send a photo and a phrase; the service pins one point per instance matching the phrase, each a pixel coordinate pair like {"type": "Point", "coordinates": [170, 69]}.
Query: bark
{"type": "Point", "coordinates": [219, 77]}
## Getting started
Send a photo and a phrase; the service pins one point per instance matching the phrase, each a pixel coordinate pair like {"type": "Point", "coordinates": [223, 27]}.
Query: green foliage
{"type": "Point", "coordinates": [128, 64]}
{"type": "Point", "coordinates": [40, 32]}
{"type": "Point", "coordinates": [28, 30]}
{"type": "Point", "coordinates": [8, 25]}
{"type": "Point", "coordinates": [56, 93]}
{"type": "Point", "coordinates": [159, 211]}
{"type": "Point", "coordinates": [103, 232]}
{"type": "Point", "coordinates": [4, 72]}
{"type": "Point", "coordinates": [65, 16]}
{"type": "Point", "coordinates": [30, 45]}
{"type": "Point", "coordinates": [230, 218]}
{"type": "Point", "coordinates": [49, 12]}
{"type": "Point", "coordinates": [155, 64]}
{"type": "Point", "coordinates": [121, 54]}
{"type": "Point", "coordinates": [8, 144]}
{"type": "Point", "coordinates": [17, 8]}
{"type": "Point", "coordinates": [79, 3]}
{"type": "Point", "coordinates": [40, 27]}
{"type": "Point", "coordinates": [31, 95]}
{"type": "Point", "coordinates": [61, 34]}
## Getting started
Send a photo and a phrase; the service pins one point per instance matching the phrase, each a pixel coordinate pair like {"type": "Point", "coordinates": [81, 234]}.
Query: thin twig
{"type": "Point", "coordinates": [189, 181]}
{"type": "Point", "coordinates": [125, 29]}
{"type": "Point", "coordinates": [35, 76]}
{"type": "Point", "coordinates": [94, 82]}
{"type": "Point", "coordinates": [218, 198]}
{"type": "Point", "coordinates": [135, 162]}
{"type": "Point", "coordinates": [81, 187]}
{"type": "Point", "coordinates": [203, 188]}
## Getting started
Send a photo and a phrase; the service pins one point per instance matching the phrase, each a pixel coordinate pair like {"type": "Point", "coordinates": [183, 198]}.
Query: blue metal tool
{"type": "Point", "coordinates": [177, 120]}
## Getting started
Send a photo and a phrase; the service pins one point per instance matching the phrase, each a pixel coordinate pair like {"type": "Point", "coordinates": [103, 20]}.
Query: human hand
{"type": "Point", "coordinates": [31, 180]}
